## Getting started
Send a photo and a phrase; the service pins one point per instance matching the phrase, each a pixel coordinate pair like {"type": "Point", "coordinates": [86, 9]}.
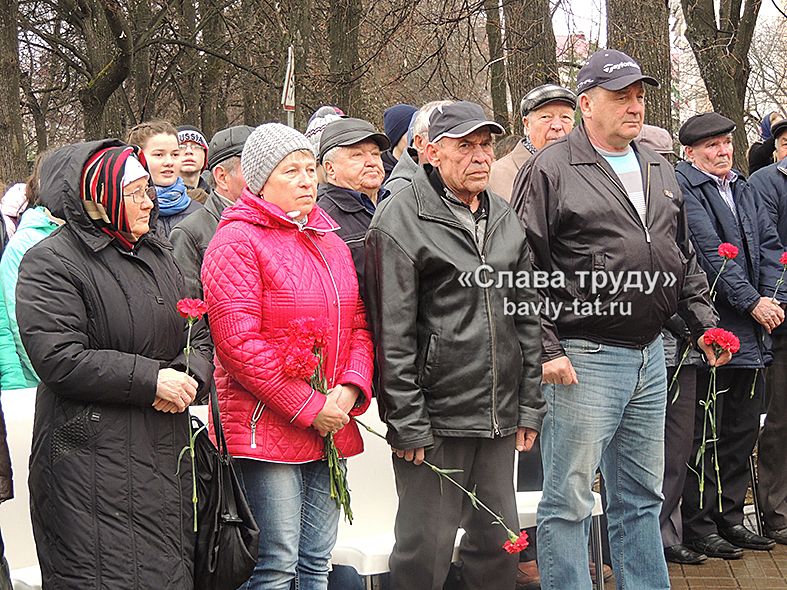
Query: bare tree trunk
{"type": "Point", "coordinates": [212, 67]}
{"type": "Point", "coordinates": [13, 160]}
{"type": "Point", "coordinates": [497, 67]}
{"type": "Point", "coordinates": [722, 51]}
{"type": "Point", "coordinates": [642, 31]}
{"type": "Point", "coordinates": [530, 41]}
{"type": "Point", "coordinates": [37, 111]}
{"type": "Point", "coordinates": [108, 41]}
{"type": "Point", "coordinates": [343, 60]}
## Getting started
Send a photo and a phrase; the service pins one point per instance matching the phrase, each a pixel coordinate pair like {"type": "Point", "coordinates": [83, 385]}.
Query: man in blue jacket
{"type": "Point", "coordinates": [771, 184]}
{"type": "Point", "coordinates": [723, 207]}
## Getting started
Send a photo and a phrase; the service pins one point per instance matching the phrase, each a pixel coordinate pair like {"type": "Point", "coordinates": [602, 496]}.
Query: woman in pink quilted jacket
{"type": "Point", "coordinates": [276, 258]}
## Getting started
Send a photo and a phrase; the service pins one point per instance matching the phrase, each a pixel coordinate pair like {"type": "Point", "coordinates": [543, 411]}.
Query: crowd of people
{"type": "Point", "coordinates": [579, 339]}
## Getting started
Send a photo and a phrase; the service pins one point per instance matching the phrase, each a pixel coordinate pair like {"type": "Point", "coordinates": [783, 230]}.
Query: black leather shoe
{"type": "Point", "coordinates": [714, 546]}
{"type": "Point", "coordinates": [684, 555]}
{"type": "Point", "coordinates": [780, 535]}
{"type": "Point", "coordinates": [742, 537]}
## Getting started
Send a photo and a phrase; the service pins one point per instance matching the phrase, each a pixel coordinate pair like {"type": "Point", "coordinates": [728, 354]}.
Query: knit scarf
{"type": "Point", "coordinates": [102, 191]}
{"type": "Point", "coordinates": [172, 199]}
{"type": "Point", "coordinates": [529, 145]}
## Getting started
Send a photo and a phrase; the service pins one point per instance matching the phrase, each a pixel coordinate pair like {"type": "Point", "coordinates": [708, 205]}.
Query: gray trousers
{"type": "Point", "coordinates": [431, 510]}
{"type": "Point", "coordinates": [771, 457]}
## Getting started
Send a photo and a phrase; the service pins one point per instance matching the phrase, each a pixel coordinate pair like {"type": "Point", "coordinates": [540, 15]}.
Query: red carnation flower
{"type": "Point", "coordinates": [783, 259]}
{"type": "Point", "coordinates": [516, 544]}
{"type": "Point", "coordinates": [722, 339]}
{"type": "Point", "coordinates": [192, 309]}
{"type": "Point", "coordinates": [310, 330]}
{"type": "Point", "coordinates": [727, 250]}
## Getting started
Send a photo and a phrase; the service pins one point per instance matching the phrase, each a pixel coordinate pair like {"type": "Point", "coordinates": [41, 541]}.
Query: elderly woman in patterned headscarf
{"type": "Point", "coordinates": [96, 304]}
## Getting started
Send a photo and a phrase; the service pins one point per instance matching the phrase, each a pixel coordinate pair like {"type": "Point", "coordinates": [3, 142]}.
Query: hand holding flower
{"type": "Point", "coordinates": [331, 418]}
{"type": "Point", "coordinates": [175, 388]}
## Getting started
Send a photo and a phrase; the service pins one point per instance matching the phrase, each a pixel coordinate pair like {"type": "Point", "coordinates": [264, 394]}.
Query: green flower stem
{"type": "Point", "coordinates": [754, 382]}
{"type": "Point", "coordinates": [779, 283]}
{"type": "Point", "coordinates": [445, 474]}
{"type": "Point", "coordinates": [192, 435]}
{"type": "Point", "coordinates": [713, 286]}
{"type": "Point", "coordinates": [677, 372]}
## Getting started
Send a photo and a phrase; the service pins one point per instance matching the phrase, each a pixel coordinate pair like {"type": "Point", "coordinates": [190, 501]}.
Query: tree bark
{"type": "Point", "coordinates": [722, 51]}
{"type": "Point", "coordinates": [530, 41]}
{"type": "Point", "coordinates": [13, 160]}
{"type": "Point", "coordinates": [108, 69]}
{"type": "Point", "coordinates": [497, 68]}
{"type": "Point", "coordinates": [641, 30]}
{"type": "Point", "coordinates": [343, 60]}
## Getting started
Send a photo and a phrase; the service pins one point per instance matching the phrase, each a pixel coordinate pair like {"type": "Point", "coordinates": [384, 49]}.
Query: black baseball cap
{"type": "Point", "coordinates": [612, 70]}
{"type": "Point", "coordinates": [459, 119]}
{"type": "Point", "coordinates": [227, 143]}
{"type": "Point", "coordinates": [349, 131]}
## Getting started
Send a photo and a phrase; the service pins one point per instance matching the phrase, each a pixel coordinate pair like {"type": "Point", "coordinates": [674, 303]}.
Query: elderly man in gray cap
{"type": "Point", "coordinates": [191, 236]}
{"type": "Point", "coordinates": [457, 376]}
{"type": "Point", "coordinates": [351, 157]}
{"type": "Point", "coordinates": [605, 222]}
{"type": "Point", "coordinates": [547, 115]}
{"type": "Point", "coordinates": [723, 207]}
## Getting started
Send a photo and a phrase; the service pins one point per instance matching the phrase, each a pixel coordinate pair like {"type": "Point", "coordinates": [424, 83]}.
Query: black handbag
{"type": "Point", "coordinates": [227, 534]}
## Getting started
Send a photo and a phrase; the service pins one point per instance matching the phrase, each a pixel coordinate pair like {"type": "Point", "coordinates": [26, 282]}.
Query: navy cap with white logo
{"type": "Point", "coordinates": [612, 70]}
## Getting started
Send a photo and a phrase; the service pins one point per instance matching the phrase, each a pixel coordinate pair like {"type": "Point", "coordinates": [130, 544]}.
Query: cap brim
{"type": "Point", "coordinates": [348, 139]}
{"type": "Point", "coordinates": [777, 129]}
{"type": "Point", "coordinates": [624, 81]}
{"type": "Point", "coordinates": [467, 128]}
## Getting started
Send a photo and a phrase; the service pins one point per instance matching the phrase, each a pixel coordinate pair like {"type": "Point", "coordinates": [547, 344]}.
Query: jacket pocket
{"type": "Point", "coordinates": [430, 360]}
{"type": "Point", "coordinates": [75, 434]}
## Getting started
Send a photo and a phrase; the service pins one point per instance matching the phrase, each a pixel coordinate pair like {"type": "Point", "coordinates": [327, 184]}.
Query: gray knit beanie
{"type": "Point", "coordinates": [268, 145]}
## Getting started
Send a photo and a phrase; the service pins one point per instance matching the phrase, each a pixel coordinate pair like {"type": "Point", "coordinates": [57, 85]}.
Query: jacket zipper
{"type": "Point", "coordinates": [636, 214]}
{"type": "Point", "coordinates": [338, 305]}
{"type": "Point", "coordinates": [255, 417]}
{"type": "Point", "coordinates": [493, 333]}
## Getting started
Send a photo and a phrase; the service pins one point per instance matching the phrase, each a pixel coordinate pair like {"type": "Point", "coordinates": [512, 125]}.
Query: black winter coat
{"type": "Point", "coordinates": [353, 219]}
{"type": "Point", "coordinates": [108, 507]}
{"type": "Point", "coordinates": [753, 274]}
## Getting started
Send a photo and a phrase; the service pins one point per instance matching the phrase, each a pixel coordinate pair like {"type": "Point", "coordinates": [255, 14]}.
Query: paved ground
{"type": "Point", "coordinates": [766, 570]}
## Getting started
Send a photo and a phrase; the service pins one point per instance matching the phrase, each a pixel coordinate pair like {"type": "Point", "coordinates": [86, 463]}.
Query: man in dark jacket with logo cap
{"type": "Point", "coordinates": [605, 220]}
{"type": "Point", "coordinates": [723, 207]}
{"type": "Point", "coordinates": [350, 154]}
{"type": "Point", "coordinates": [457, 375]}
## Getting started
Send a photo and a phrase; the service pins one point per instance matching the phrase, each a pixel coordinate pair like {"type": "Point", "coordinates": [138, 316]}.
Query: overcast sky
{"type": "Point", "coordinates": [588, 17]}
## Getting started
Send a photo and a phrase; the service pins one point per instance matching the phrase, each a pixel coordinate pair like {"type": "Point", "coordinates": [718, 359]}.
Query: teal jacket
{"type": "Point", "coordinates": [16, 372]}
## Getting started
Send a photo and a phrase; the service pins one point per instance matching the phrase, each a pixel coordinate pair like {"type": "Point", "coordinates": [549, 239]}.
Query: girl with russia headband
{"type": "Point", "coordinates": [159, 142]}
{"type": "Point", "coordinates": [98, 318]}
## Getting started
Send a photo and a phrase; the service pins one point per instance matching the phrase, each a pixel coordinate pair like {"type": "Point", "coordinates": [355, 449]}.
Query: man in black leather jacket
{"type": "Point", "coordinates": [458, 373]}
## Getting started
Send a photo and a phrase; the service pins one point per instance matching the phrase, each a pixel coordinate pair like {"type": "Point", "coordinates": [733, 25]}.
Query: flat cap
{"type": "Point", "coordinates": [349, 131]}
{"type": "Point", "coordinates": [227, 143]}
{"type": "Point", "coordinates": [702, 126]}
{"type": "Point", "coordinates": [656, 138]}
{"type": "Point", "coordinates": [778, 128]}
{"type": "Point", "coordinates": [541, 95]}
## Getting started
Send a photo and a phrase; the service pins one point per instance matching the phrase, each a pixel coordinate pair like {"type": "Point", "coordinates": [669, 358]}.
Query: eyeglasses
{"type": "Point", "coordinates": [138, 196]}
{"type": "Point", "coordinates": [191, 147]}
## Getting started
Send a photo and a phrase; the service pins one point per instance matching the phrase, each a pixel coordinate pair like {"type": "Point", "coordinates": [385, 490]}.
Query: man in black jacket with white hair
{"type": "Point", "coordinates": [457, 375]}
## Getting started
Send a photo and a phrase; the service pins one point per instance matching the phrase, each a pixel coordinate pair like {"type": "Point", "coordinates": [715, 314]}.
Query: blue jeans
{"type": "Point", "coordinates": [298, 523]}
{"type": "Point", "coordinates": [614, 418]}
